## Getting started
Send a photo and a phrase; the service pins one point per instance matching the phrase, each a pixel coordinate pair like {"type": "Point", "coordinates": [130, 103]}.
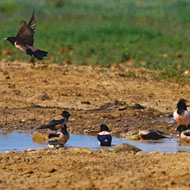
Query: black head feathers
{"type": "Point", "coordinates": [104, 127]}
{"type": "Point", "coordinates": [66, 114]}
{"type": "Point", "coordinates": [181, 106]}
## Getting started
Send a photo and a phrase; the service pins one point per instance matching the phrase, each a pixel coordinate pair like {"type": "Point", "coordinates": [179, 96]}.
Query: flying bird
{"type": "Point", "coordinates": [25, 38]}
{"type": "Point", "coordinates": [55, 123]}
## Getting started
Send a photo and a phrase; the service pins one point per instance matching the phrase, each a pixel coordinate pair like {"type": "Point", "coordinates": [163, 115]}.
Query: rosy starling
{"type": "Point", "coordinates": [25, 38]}
{"type": "Point", "coordinates": [58, 139]}
{"type": "Point", "coordinates": [55, 123]}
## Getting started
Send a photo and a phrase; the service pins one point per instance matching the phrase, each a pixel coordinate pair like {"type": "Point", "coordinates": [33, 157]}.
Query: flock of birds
{"type": "Point", "coordinates": [181, 117]}
{"type": "Point", "coordinates": [61, 135]}
{"type": "Point", "coordinates": [24, 42]}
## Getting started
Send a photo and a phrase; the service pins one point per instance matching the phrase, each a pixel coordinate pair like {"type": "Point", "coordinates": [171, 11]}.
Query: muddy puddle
{"type": "Point", "coordinates": [18, 141]}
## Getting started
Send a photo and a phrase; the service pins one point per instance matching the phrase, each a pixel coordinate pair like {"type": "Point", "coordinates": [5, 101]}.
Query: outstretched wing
{"type": "Point", "coordinates": [26, 31]}
{"type": "Point", "coordinates": [32, 23]}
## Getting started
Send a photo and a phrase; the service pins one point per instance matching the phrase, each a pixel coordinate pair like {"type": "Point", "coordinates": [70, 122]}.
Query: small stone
{"type": "Point", "coordinates": [86, 150]}
{"type": "Point", "coordinates": [9, 151]}
{"type": "Point", "coordinates": [85, 102]}
{"type": "Point", "coordinates": [186, 72]}
{"type": "Point", "coordinates": [30, 150]}
{"type": "Point", "coordinates": [173, 183]}
{"type": "Point", "coordinates": [153, 152]}
{"type": "Point", "coordinates": [138, 107]}
{"type": "Point", "coordinates": [52, 170]}
{"type": "Point", "coordinates": [125, 147]}
{"type": "Point", "coordinates": [45, 97]}
{"type": "Point", "coordinates": [140, 153]}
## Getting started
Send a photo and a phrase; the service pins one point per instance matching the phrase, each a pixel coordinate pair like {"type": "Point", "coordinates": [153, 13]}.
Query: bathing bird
{"type": "Point", "coordinates": [25, 38]}
{"type": "Point", "coordinates": [55, 123]}
{"type": "Point", "coordinates": [104, 137]}
{"type": "Point", "coordinates": [151, 135]}
{"type": "Point", "coordinates": [59, 139]}
{"type": "Point", "coordinates": [181, 115]}
{"type": "Point", "coordinates": [148, 135]}
{"type": "Point", "coordinates": [184, 132]}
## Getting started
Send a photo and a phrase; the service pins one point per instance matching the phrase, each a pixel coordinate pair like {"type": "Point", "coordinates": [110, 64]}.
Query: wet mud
{"type": "Point", "coordinates": [32, 95]}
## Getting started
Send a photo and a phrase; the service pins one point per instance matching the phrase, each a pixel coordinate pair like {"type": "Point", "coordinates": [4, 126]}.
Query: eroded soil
{"type": "Point", "coordinates": [125, 99]}
{"type": "Point", "coordinates": [85, 169]}
{"type": "Point", "coordinates": [32, 95]}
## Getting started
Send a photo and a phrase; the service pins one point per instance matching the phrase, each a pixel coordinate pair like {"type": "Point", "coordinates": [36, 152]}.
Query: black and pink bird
{"type": "Point", "coordinates": [25, 38]}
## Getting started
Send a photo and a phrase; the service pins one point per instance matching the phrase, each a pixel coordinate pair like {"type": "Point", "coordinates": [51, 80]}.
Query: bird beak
{"type": "Point", "coordinates": [5, 38]}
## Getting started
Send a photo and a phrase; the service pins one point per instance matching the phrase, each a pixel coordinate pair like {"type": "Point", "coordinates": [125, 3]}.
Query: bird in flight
{"type": "Point", "coordinates": [25, 38]}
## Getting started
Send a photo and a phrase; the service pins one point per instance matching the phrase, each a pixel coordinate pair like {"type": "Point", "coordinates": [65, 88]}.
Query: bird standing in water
{"type": "Point", "coordinates": [104, 137]}
{"type": "Point", "coordinates": [25, 38]}
{"type": "Point", "coordinates": [184, 132]}
{"type": "Point", "coordinates": [58, 139]}
{"type": "Point", "coordinates": [181, 115]}
{"type": "Point", "coordinates": [55, 123]}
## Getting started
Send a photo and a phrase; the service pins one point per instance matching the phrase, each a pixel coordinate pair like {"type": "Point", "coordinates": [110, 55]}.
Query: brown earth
{"type": "Point", "coordinates": [84, 169]}
{"type": "Point", "coordinates": [125, 99]}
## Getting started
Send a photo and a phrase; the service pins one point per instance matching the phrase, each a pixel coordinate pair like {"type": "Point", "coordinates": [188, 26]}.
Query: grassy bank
{"type": "Point", "coordinates": [154, 33]}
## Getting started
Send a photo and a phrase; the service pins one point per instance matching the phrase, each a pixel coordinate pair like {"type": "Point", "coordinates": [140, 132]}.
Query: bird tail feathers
{"type": "Point", "coordinates": [40, 54]}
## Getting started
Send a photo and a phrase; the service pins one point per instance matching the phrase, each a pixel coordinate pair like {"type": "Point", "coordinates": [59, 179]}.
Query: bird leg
{"type": "Point", "coordinates": [32, 60]}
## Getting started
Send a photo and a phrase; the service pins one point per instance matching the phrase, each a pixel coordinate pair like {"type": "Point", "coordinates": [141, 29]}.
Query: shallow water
{"type": "Point", "coordinates": [168, 120]}
{"type": "Point", "coordinates": [165, 145]}
{"type": "Point", "coordinates": [18, 141]}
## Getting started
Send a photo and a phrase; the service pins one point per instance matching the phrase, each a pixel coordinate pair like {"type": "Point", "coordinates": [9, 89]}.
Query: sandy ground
{"type": "Point", "coordinates": [125, 99]}
{"type": "Point", "coordinates": [85, 169]}
{"type": "Point", "coordinates": [33, 95]}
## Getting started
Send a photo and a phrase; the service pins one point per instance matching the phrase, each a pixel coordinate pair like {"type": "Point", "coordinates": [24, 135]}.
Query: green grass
{"type": "Point", "coordinates": [105, 31]}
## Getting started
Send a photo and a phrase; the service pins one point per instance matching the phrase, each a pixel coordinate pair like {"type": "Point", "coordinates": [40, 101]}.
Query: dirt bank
{"type": "Point", "coordinates": [84, 169]}
{"type": "Point", "coordinates": [32, 95]}
{"type": "Point", "coordinates": [124, 98]}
